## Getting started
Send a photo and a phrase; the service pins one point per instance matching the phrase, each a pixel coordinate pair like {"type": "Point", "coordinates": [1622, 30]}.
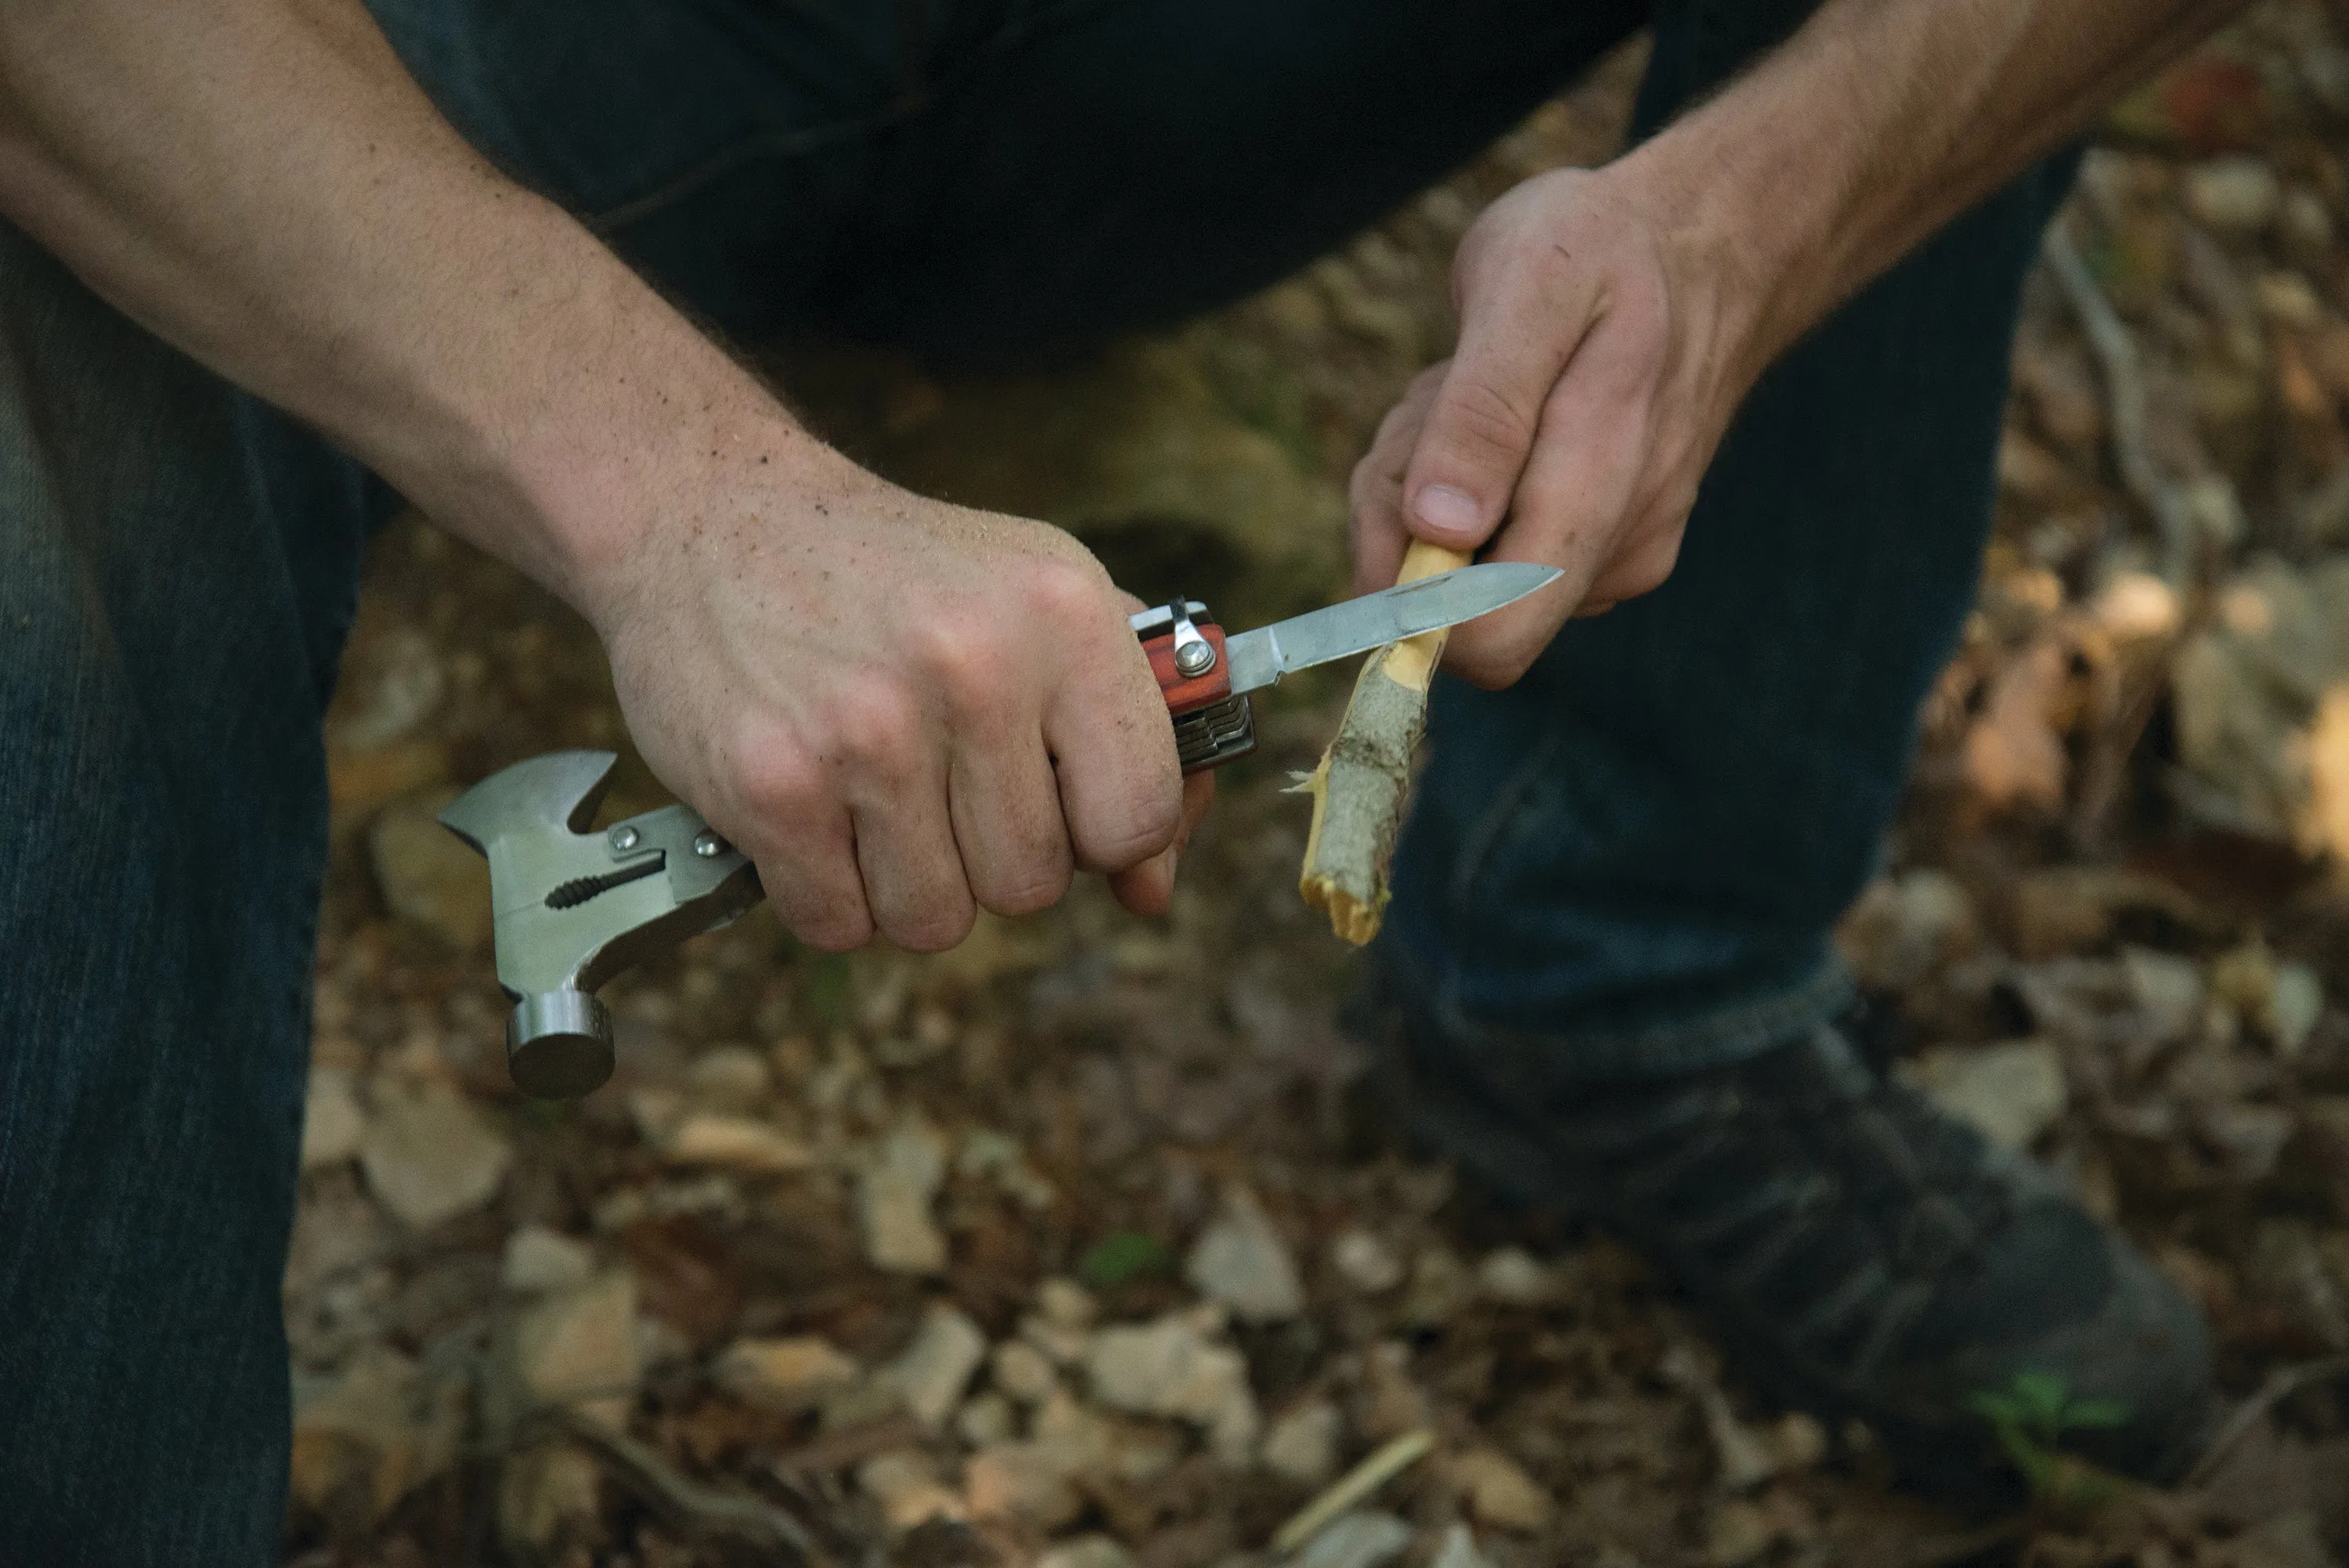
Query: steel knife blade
{"type": "Point", "coordinates": [1262, 657]}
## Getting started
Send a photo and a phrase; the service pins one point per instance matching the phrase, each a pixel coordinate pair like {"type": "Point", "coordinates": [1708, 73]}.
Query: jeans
{"type": "Point", "coordinates": [1627, 863]}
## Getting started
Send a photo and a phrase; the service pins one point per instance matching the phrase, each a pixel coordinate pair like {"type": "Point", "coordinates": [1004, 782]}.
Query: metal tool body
{"type": "Point", "coordinates": [574, 907]}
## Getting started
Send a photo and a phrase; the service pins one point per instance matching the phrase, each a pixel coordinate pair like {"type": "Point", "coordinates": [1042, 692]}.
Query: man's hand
{"type": "Point", "coordinates": [1611, 321]}
{"type": "Point", "coordinates": [1591, 384]}
{"type": "Point", "coordinates": [903, 711]}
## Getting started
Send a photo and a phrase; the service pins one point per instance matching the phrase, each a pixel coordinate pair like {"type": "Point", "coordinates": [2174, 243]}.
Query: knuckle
{"type": "Point", "coordinates": [777, 777]}
{"type": "Point", "coordinates": [1482, 417]}
{"type": "Point", "coordinates": [877, 724]}
{"type": "Point", "coordinates": [1067, 592]}
{"type": "Point", "coordinates": [828, 930]}
{"type": "Point", "coordinates": [1036, 885]}
{"type": "Point", "coordinates": [940, 925]}
{"type": "Point", "coordinates": [1146, 824]}
{"type": "Point", "coordinates": [964, 658]}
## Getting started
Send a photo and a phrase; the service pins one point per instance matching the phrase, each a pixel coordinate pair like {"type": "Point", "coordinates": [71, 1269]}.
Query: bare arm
{"type": "Point", "coordinates": [1612, 320]}
{"type": "Point", "coordinates": [904, 710]}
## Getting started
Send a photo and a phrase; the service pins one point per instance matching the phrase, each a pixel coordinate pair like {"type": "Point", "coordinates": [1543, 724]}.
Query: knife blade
{"type": "Point", "coordinates": [1262, 657]}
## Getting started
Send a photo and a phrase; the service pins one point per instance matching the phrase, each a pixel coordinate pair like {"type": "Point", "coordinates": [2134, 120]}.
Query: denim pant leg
{"type": "Point", "coordinates": [176, 571]}
{"type": "Point", "coordinates": [1629, 863]}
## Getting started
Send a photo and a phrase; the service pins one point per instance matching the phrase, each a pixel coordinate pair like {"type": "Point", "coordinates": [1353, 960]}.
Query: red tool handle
{"type": "Point", "coordinates": [1188, 693]}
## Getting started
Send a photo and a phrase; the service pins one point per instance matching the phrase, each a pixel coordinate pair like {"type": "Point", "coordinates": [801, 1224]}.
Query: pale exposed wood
{"type": "Point", "coordinates": [1364, 780]}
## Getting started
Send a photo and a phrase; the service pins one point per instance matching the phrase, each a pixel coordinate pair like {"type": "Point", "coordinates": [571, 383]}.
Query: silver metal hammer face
{"type": "Point", "coordinates": [573, 907]}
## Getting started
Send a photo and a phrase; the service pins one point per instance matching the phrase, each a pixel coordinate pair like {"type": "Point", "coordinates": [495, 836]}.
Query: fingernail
{"type": "Point", "coordinates": [1446, 510]}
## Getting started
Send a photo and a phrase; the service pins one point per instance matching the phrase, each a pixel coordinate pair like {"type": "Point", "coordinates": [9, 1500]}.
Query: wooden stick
{"type": "Point", "coordinates": [1364, 778]}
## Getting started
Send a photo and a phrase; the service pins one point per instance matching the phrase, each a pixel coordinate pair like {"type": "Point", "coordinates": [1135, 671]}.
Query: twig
{"type": "Point", "coordinates": [701, 1510]}
{"type": "Point", "coordinates": [1948, 1551]}
{"type": "Point", "coordinates": [2282, 1384]}
{"type": "Point", "coordinates": [2117, 357]}
{"type": "Point", "coordinates": [1352, 1487]}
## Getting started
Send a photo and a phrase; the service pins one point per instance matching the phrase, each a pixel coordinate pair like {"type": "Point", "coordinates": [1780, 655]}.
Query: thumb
{"type": "Point", "coordinates": [1480, 428]}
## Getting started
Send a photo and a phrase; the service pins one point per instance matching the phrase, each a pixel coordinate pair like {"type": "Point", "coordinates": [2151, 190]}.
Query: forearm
{"type": "Point", "coordinates": [1880, 121]}
{"type": "Point", "coordinates": [260, 183]}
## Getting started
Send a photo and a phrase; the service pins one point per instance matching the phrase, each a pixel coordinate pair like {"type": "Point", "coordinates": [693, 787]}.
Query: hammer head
{"type": "Point", "coordinates": [573, 908]}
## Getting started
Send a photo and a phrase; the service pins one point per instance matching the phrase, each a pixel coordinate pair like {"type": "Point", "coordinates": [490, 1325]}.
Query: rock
{"type": "Point", "coordinates": [1062, 1325]}
{"type": "Point", "coordinates": [1356, 1540]}
{"type": "Point", "coordinates": [547, 1495]}
{"type": "Point", "coordinates": [740, 1143]}
{"type": "Point", "coordinates": [2262, 709]}
{"type": "Point", "coordinates": [1392, 1402]}
{"type": "Point", "coordinates": [894, 1189]}
{"type": "Point", "coordinates": [2168, 992]}
{"type": "Point", "coordinates": [392, 683]}
{"type": "Point", "coordinates": [906, 1486]}
{"type": "Point", "coordinates": [579, 1346]}
{"type": "Point", "coordinates": [2011, 1093]}
{"type": "Point", "coordinates": [2294, 1007]}
{"type": "Point", "coordinates": [2057, 910]}
{"type": "Point", "coordinates": [2319, 1153]}
{"type": "Point", "coordinates": [729, 1077]}
{"type": "Point", "coordinates": [1302, 1445]}
{"type": "Point", "coordinates": [1499, 1492]}
{"type": "Point", "coordinates": [1021, 1480]}
{"type": "Point", "coordinates": [539, 1260]}
{"type": "Point", "coordinates": [1087, 1552]}
{"type": "Point", "coordinates": [429, 876]}
{"type": "Point", "coordinates": [1458, 1550]}
{"type": "Point", "coordinates": [1440, 1286]}
{"type": "Point", "coordinates": [429, 1157]}
{"type": "Point", "coordinates": [1024, 1372]}
{"type": "Point", "coordinates": [1512, 1276]}
{"type": "Point", "coordinates": [932, 1371]}
{"type": "Point", "coordinates": [373, 1433]}
{"type": "Point", "coordinates": [1365, 1261]}
{"type": "Point", "coordinates": [2233, 195]}
{"type": "Point", "coordinates": [2136, 606]}
{"type": "Point", "coordinates": [785, 1376]}
{"type": "Point", "coordinates": [1170, 1368]}
{"type": "Point", "coordinates": [1741, 1531]}
{"type": "Point", "coordinates": [1241, 1261]}
{"type": "Point", "coordinates": [986, 1419]}
{"type": "Point", "coordinates": [332, 1121]}
{"type": "Point", "coordinates": [1905, 928]}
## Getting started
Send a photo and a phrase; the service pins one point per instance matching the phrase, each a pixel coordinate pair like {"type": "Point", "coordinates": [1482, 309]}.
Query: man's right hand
{"type": "Point", "coordinates": [903, 711]}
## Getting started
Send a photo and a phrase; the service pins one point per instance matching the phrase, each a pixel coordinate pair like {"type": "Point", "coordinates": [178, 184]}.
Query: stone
{"type": "Point", "coordinates": [2011, 1093]}
{"type": "Point", "coordinates": [728, 1077]}
{"type": "Point", "coordinates": [1440, 1286]}
{"type": "Point", "coordinates": [785, 1376]}
{"type": "Point", "coordinates": [1170, 1368]}
{"type": "Point", "coordinates": [392, 683]}
{"type": "Point", "coordinates": [1741, 1531]}
{"type": "Point", "coordinates": [739, 1143]}
{"type": "Point", "coordinates": [1302, 1445]}
{"type": "Point", "coordinates": [1024, 1372]}
{"type": "Point", "coordinates": [547, 1495]}
{"type": "Point", "coordinates": [1365, 1261]}
{"type": "Point", "coordinates": [429, 1157]}
{"type": "Point", "coordinates": [1241, 1261]}
{"type": "Point", "coordinates": [2233, 195]}
{"type": "Point", "coordinates": [1458, 1550]}
{"type": "Point", "coordinates": [538, 1260]}
{"type": "Point", "coordinates": [1025, 1481]}
{"type": "Point", "coordinates": [332, 1122]}
{"type": "Point", "coordinates": [1499, 1492]}
{"type": "Point", "coordinates": [2319, 1153]}
{"type": "Point", "coordinates": [579, 1347]}
{"type": "Point", "coordinates": [2061, 909]}
{"type": "Point", "coordinates": [430, 877]}
{"type": "Point", "coordinates": [1062, 1325]}
{"type": "Point", "coordinates": [986, 1419]}
{"type": "Point", "coordinates": [1356, 1540]}
{"type": "Point", "coordinates": [373, 1433]}
{"type": "Point", "coordinates": [1512, 1276]}
{"type": "Point", "coordinates": [894, 1190]}
{"type": "Point", "coordinates": [930, 1374]}
{"type": "Point", "coordinates": [1905, 928]}
{"type": "Point", "coordinates": [1087, 1552]}
{"type": "Point", "coordinates": [2166, 991]}
{"type": "Point", "coordinates": [906, 1486]}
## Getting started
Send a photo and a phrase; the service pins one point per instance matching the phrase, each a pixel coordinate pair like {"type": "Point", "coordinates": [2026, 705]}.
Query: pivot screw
{"type": "Point", "coordinates": [708, 845]}
{"type": "Point", "coordinates": [624, 838]}
{"type": "Point", "coordinates": [1194, 658]}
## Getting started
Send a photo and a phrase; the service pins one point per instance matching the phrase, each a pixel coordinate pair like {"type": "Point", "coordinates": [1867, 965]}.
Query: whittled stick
{"type": "Point", "coordinates": [1363, 782]}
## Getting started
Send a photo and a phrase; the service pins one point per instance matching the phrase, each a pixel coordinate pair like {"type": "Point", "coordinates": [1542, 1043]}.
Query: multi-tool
{"type": "Point", "coordinates": [574, 907]}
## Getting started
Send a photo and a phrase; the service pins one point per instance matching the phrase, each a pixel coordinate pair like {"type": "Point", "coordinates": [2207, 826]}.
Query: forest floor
{"type": "Point", "coordinates": [1081, 1245]}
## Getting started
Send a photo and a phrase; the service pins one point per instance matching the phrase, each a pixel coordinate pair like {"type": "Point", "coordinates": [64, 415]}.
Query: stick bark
{"type": "Point", "coordinates": [1363, 781]}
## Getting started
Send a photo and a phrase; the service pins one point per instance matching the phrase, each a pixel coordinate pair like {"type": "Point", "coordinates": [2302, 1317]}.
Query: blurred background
{"type": "Point", "coordinates": [1081, 1245]}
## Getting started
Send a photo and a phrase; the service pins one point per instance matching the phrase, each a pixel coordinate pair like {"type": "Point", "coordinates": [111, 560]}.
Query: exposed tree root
{"type": "Point", "coordinates": [1364, 778]}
